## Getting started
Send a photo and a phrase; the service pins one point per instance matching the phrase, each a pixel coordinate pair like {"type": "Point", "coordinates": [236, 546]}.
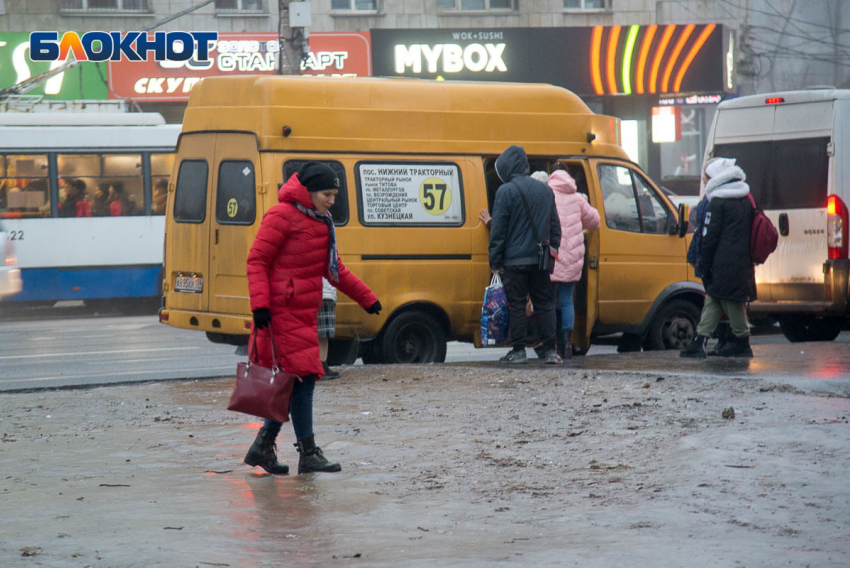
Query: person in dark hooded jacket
{"type": "Point", "coordinates": [514, 250]}
{"type": "Point", "coordinates": [724, 259]}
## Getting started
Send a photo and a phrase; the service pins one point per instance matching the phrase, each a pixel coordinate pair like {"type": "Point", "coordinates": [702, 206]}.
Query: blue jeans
{"type": "Point", "coordinates": [565, 299]}
{"type": "Point", "coordinates": [300, 410]}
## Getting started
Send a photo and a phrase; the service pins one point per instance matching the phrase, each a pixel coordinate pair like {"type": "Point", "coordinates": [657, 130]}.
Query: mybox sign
{"type": "Point", "coordinates": [344, 54]}
{"type": "Point", "coordinates": [85, 81]}
{"type": "Point", "coordinates": [613, 60]}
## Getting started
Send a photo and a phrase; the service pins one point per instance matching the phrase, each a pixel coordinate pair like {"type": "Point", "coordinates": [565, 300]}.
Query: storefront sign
{"type": "Point", "coordinates": [84, 81]}
{"type": "Point", "coordinates": [615, 60]}
{"type": "Point", "coordinates": [419, 194]}
{"type": "Point", "coordinates": [343, 54]}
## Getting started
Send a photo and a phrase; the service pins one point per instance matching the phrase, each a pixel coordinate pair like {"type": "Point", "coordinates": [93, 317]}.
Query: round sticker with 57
{"type": "Point", "coordinates": [435, 195]}
{"type": "Point", "coordinates": [232, 208]}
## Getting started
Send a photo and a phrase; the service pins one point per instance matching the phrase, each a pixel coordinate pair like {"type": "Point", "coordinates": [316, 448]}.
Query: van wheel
{"type": "Point", "coordinates": [674, 327]}
{"type": "Point", "coordinates": [413, 337]}
{"type": "Point", "coordinates": [809, 328]}
{"type": "Point", "coordinates": [342, 351]}
{"type": "Point", "coordinates": [227, 338]}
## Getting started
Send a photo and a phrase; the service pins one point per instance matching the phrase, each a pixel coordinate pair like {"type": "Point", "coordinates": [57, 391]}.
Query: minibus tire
{"type": "Point", "coordinates": [800, 328]}
{"type": "Point", "coordinates": [342, 351]}
{"type": "Point", "coordinates": [674, 327]}
{"type": "Point", "coordinates": [413, 337]}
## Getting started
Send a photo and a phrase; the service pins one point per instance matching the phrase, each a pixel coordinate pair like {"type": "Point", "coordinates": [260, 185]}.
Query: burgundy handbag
{"type": "Point", "coordinates": [261, 391]}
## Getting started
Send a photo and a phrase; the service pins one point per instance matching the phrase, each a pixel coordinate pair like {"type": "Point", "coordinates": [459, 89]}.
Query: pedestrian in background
{"type": "Point", "coordinates": [727, 270]}
{"type": "Point", "coordinates": [576, 216]}
{"type": "Point", "coordinates": [514, 250]}
{"type": "Point", "coordinates": [294, 248]}
{"type": "Point", "coordinates": [327, 326]}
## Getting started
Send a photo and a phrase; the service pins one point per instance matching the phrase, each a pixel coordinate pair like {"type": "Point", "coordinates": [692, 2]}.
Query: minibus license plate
{"type": "Point", "coordinates": [189, 284]}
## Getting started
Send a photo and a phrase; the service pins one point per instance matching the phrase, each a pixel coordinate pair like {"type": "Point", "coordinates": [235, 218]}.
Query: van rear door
{"type": "Point", "coordinates": [187, 230]}
{"type": "Point", "coordinates": [233, 211]}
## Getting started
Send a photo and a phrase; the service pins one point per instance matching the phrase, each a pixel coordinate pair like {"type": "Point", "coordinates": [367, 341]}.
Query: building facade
{"type": "Point", "coordinates": [766, 45]}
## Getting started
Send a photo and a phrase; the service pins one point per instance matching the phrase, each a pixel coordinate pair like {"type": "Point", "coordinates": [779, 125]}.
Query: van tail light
{"type": "Point", "coordinates": [836, 228]}
{"type": "Point", "coordinates": [11, 259]}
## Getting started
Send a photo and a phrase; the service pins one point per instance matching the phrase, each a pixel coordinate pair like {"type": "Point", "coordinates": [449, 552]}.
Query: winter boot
{"type": "Point", "coordinates": [737, 347]}
{"type": "Point", "coordinates": [312, 458]}
{"type": "Point", "coordinates": [515, 357]}
{"type": "Point", "coordinates": [329, 373]}
{"type": "Point", "coordinates": [565, 350]}
{"type": "Point", "coordinates": [263, 453]}
{"type": "Point", "coordinates": [552, 358]}
{"type": "Point", "coordinates": [722, 333]}
{"type": "Point", "coordinates": [696, 350]}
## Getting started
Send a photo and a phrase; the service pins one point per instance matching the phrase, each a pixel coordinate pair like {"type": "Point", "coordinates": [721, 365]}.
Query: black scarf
{"type": "Point", "coordinates": [333, 255]}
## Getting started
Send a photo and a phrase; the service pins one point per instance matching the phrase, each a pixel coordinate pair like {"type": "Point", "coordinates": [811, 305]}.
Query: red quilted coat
{"type": "Point", "coordinates": [286, 264]}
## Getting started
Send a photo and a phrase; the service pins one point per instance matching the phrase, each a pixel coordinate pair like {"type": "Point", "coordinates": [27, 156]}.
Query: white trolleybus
{"type": "Point", "coordinates": [82, 195]}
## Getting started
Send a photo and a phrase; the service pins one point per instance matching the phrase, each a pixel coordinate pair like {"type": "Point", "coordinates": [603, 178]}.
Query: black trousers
{"type": "Point", "coordinates": [520, 283]}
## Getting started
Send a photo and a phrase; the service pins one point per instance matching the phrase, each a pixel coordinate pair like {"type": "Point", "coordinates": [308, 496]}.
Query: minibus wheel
{"type": "Point", "coordinates": [342, 351]}
{"type": "Point", "coordinates": [413, 337]}
{"type": "Point", "coordinates": [798, 328]}
{"type": "Point", "coordinates": [674, 327]}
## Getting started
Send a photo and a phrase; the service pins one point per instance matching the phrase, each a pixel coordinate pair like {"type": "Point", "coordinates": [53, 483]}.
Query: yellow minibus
{"type": "Point", "coordinates": [416, 165]}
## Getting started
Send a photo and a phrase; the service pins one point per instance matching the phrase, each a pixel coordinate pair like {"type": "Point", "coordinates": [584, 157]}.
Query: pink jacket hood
{"type": "Point", "coordinates": [561, 181]}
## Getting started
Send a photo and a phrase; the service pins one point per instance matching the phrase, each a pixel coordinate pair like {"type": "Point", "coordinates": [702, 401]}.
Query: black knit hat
{"type": "Point", "coordinates": [316, 176]}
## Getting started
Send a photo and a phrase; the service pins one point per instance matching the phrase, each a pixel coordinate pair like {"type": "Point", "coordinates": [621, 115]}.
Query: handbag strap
{"type": "Point", "coordinates": [530, 218]}
{"type": "Point", "coordinates": [253, 350]}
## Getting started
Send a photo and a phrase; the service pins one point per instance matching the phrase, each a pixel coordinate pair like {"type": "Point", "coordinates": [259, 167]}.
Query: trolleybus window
{"type": "Point", "coordinates": [339, 211]}
{"type": "Point", "coordinates": [235, 202]}
{"type": "Point", "coordinates": [161, 165]}
{"type": "Point", "coordinates": [190, 196]}
{"type": "Point", "coordinates": [112, 183]}
{"type": "Point", "coordinates": [24, 186]}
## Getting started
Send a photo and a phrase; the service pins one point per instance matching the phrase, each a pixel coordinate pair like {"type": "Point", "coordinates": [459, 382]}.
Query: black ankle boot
{"type": "Point", "coordinates": [737, 347]}
{"type": "Point", "coordinates": [329, 373]}
{"type": "Point", "coordinates": [312, 458]}
{"type": "Point", "coordinates": [696, 349]}
{"type": "Point", "coordinates": [262, 453]}
{"type": "Point", "coordinates": [722, 333]}
{"type": "Point", "coordinates": [565, 350]}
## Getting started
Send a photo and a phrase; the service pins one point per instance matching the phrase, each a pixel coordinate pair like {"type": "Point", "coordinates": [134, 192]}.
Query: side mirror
{"type": "Point", "coordinates": [682, 224]}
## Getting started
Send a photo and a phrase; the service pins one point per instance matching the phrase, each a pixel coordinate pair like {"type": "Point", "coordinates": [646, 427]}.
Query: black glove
{"type": "Point", "coordinates": [374, 308]}
{"type": "Point", "coordinates": [262, 318]}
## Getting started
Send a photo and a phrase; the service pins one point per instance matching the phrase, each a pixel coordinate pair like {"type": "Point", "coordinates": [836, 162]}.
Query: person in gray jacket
{"type": "Point", "coordinates": [514, 250]}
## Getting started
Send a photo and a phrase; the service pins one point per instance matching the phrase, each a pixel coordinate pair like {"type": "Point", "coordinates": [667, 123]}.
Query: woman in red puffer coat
{"type": "Point", "coordinates": [294, 248]}
{"type": "Point", "coordinates": [576, 216]}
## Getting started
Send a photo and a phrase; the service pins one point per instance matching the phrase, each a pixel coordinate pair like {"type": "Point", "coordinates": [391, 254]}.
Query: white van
{"type": "Point", "coordinates": [795, 149]}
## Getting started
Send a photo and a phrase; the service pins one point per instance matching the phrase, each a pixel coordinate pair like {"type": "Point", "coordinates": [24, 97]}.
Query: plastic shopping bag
{"type": "Point", "coordinates": [494, 313]}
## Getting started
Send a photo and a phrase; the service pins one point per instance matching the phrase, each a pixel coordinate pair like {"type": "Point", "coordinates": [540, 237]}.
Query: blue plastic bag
{"type": "Point", "coordinates": [494, 313]}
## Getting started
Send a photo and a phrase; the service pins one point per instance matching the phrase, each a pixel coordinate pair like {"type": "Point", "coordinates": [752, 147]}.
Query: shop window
{"type": "Point", "coordinates": [190, 195]}
{"type": "Point", "coordinates": [24, 186]}
{"type": "Point", "coordinates": [585, 4]}
{"type": "Point", "coordinates": [353, 5]}
{"type": "Point", "coordinates": [339, 211]}
{"type": "Point", "coordinates": [618, 195]}
{"type": "Point", "coordinates": [476, 4]}
{"type": "Point", "coordinates": [235, 202]}
{"type": "Point", "coordinates": [106, 5]}
{"type": "Point", "coordinates": [161, 165]}
{"type": "Point", "coordinates": [239, 5]}
{"type": "Point", "coordinates": [112, 184]}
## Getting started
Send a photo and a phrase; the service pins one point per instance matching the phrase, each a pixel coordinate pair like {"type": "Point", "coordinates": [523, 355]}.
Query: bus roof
{"type": "Point", "coordinates": [401, 115]}
{"type": "Point", "coordinates": [161, 137]}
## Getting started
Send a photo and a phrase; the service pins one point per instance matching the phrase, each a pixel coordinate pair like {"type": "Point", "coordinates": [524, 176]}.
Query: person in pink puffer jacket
{"type": "Point", "coordinates": [576, 215]}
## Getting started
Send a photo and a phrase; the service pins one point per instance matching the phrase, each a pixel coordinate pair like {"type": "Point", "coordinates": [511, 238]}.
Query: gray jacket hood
{"type": "Point", "coordinates": [511, 163]}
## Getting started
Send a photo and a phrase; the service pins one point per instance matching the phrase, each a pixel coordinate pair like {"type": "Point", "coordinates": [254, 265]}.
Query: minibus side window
{"type": "Point", "coordinates": [190, 196]}
{"type": "Point", "coordinates": [24, 186]}
{"type": "Point", "coordinates": [235, 202]}
{"type": "Point", "coordinates": [618, 194]}
{"type": "Point", "coordinates": [654, 216]}
{"type": "Point", "coordinates": [339, 211]}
